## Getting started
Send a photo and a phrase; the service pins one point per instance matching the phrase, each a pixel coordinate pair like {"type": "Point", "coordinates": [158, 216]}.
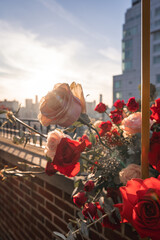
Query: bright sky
{"type": "Point", "coordinates": [44, 42]}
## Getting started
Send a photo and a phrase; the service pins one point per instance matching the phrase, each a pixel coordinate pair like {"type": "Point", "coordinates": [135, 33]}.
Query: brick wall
{"type": "Point", "coordinates": [33, 208]}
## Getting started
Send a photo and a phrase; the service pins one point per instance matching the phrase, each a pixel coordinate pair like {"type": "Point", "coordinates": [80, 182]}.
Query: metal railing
{"type": "Point", "coordinates": [16, 130]}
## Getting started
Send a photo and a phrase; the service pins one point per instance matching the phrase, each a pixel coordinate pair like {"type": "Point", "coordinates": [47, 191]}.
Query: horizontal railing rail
{"type": "Point", "coordinates": [9, 130]}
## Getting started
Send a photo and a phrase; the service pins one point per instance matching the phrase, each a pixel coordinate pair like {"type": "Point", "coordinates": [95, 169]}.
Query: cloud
{"type": "Point", "coordinates": [29, 66]}
{"type": "Point", "coordinates": [111, 53]}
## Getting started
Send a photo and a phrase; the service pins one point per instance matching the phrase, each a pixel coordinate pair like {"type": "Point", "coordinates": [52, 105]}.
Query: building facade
{"type": "Point", "coordinates": [126, 84]}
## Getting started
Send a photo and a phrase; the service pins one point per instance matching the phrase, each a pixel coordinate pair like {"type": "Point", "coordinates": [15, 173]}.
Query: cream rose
{"type": "Point", "coordinates": [78, 92]}
{"type": "Point", "coordinates": [53, 139]}
{"type": "Point", "coordinates": [131, 171]}
{"type": "Point", "coordinates": [60, 107]}
{"type": "Point", "coordinates": [132, 123]}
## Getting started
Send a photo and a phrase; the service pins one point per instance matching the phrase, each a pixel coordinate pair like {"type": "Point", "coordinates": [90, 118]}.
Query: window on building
{"type": "Point", "coordinates": [117, 84]}
{"type": "Point", "coordinates": [157, 11]}
{"type": "Point", "coordinates": [156, 59]}
{"type": "Point", "coordinates": [158, 92]}
{"type": "Point", "coordinates": [158, 78]}
{"type": "Point", "coordinates": [130, 32]}
{"type": "Point", "coordinates": [128, 54]}
{"type": "Point", "coordinates": [130, 94]}
{"type": "Point", "coordinates": [157, 23]}
{"type": "Point", "coordinates": [118, 95]}
{"type": "Point", "coordinates": [156, 35]}
{"type": "Point", "coordinates": [156, 47]}
{"type": "Point", "coordinates": [127, 44]}
{"type": "Point", "coordinates": [127, 66]}
{"type": "Point", "coordinates": [130, 82]}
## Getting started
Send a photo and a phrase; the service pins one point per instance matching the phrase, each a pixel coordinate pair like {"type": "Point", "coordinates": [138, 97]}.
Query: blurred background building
{"type": "Point", "coordinates": [126, 84]}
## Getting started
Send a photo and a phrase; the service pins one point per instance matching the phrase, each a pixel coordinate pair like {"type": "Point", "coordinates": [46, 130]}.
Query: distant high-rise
{"type": "Point", "coordinates": [126, 84]}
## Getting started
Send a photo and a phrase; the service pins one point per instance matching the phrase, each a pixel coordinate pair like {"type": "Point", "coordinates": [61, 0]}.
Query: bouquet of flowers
{"type": "Point", "coordinates": [104, 162]}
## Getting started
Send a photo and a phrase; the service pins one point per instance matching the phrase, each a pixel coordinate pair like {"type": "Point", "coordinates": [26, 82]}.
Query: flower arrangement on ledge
{"type": "Point", "coordinates": [104, 161]}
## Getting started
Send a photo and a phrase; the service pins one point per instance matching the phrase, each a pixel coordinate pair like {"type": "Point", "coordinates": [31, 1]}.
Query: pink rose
{"type": "Point", "coordinates": [53, 139]}
{"type": "Point", "coordinates": [132, 123]}
{"type": "Point", "coordinates": [131, 171]}
{"type": "Point", "coordinates": [60, 107]}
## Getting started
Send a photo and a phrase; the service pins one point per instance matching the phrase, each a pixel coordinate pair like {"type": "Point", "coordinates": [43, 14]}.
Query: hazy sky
{"type": "Point", "coordinates": [44, 42]}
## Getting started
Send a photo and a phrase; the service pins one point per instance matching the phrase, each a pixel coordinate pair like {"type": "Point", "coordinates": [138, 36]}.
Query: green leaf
{"type": "Point", "coordinates": [60, 235]}
{"type": "Point", "coordinates": [84, 229]}
{"type": "Point", "coordinates": [77, 124]}
{"type": "Point", "coordinates": [80, 215]}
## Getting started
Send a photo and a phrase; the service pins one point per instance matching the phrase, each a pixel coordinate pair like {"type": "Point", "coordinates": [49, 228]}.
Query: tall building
{"type": "Point", "coordinates": [126, 84]}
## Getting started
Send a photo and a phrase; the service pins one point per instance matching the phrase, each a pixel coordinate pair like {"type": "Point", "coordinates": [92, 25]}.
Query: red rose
{"type": "Point", "coordinates": [119, 104]}
{"type": "Point", "coordinates": [106, 126]}
{"type": "Point", "coordinates": [67, 155]}
{"type": "Point", "coordinates": [141, 206]}
{"type": "Point", "coordinates": [101, 108]}
{"type": "Point", "coordinates": [155, 108]}
{"type": "Point", "coordinates": [89, 210]}
{"type": "Point", "coordinates": [154, 156]}
{"type": "Point", "coordinates": [116, 116]}
{"type": "Point", "coordinates": [79, 199]}
{"type": "Point", "coordinates": [101, 133]}
{"type": "Point", "coordinates": [106, 222]}
{"type": "Point", "coordinates": [86, 139]}
{"type": "Point", "coordinates": [89, 186]}
{"type": "Point", "coordinates": [50, 169]}
{"type": "Point", "coordinates": [132, 105]}
{"type": "Point", "coordinates": [154, 153]}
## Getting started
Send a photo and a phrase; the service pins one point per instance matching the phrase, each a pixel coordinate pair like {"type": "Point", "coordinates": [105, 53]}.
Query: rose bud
{"type": "Point", "coordinates": [79, 199]}
{"type": "Point", "coordinates": [89, 210]}
{"type": "Point", "coordinates": [89, 186]}
{"type": "Point", "coordinates": [50, 169]}
{"type": "Point", "coordinates": [101, 108]}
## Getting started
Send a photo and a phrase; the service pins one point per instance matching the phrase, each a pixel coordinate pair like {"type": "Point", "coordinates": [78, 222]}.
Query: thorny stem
{"type": "Point", "coordinates": [89, 225]}
{"type": "Point", "coordinates": [90, 126]}
{"type": "Point", "coordinates": [27, 126]}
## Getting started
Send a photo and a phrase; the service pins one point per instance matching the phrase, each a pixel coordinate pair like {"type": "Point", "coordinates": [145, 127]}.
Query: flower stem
{"type": "Point", "coordinates": [89, 225]}
{"type": "Point", "coordinates": [29, 127]}
{"type": "Point", "coordinates": [90, 126]}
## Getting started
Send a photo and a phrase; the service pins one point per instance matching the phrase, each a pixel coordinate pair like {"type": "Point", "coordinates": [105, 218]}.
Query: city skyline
{"type": "Point", "coordinates": [43, 42]}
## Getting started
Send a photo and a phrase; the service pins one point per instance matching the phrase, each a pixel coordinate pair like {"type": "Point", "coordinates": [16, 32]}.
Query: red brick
{"type": "Point", "coordinates": [51, 226]}
{"type": "Point", "coordinates": [68, 198]}
{"type": "Point", "coordinates": [24, 204]}
{"type": "Point", "coordinates": [46, 194]}
{"type": "Point", "coordinates": [94, 235]}
{"type": "Point", "coordinates": [110, 234]}
{"type": "Point", "coordinates": [38, 181]}
{"type": "Point", "coordinates": [37, 215]}
{"type": "Point", "coordinates": [54, 209]}
{"type": "Point", "coordinates": [45, 212]}
{"type": "Point", "coordinates": [15, 182]}
{"type": "Point", "coordinates": [30, 234]}
{"type": "Point", "coordinates": [64, 206]}
{"type": "Point", "coordinates": [54, 190]}
{"type": "Point", "coordinates": [31, 185]}
{"type": "Point", "coordinates": [30, 218]}
{"type": "Point", "coordinates": [61, 224]}
{"type": "Point", "coordinates": [38, 198]}
{"type": "Point", "coordinates": [27, 223]}
{"type": "Point", "coordinates": [30, 201]}
{"type": "Point", "coordinates": [37, 233]}
{"type": "Point", "coordinates": [24, 188]}
{"type": "Point", "coordinates": [44, 230]}
{"type": "Point", "coordinates": [19, 192]}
